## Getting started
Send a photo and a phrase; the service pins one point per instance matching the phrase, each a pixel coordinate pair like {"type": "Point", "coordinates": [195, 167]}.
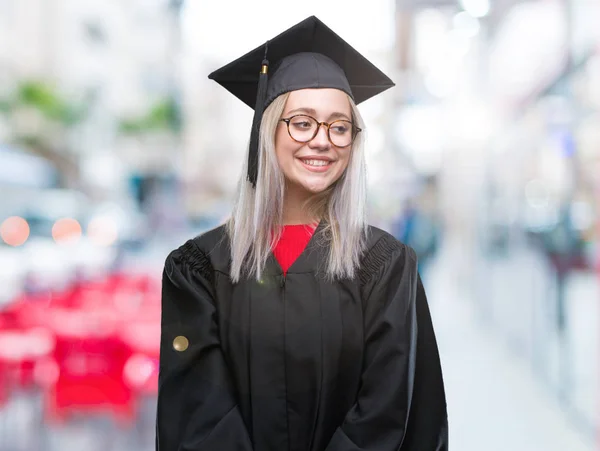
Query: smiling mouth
{"type": "Point", "coordinates": [316, 163]}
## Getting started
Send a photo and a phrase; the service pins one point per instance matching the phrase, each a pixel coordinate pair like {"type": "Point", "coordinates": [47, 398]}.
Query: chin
{"type": "Point", "coordinates": [315, 188]}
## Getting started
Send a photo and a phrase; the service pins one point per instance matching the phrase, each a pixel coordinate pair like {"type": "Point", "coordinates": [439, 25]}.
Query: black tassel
{"type": "Point", "coordinates": [259, 108]}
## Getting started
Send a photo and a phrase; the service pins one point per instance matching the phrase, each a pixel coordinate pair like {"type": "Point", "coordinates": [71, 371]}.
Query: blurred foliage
{"type": "Point", "coordinates": [44, 98]}
{"type": "Point", "coordinates": [59, 114]}
{"type": "Point", "coordinates": [164, 115]}
{"type": "Point", "coordinates": [4, 106]}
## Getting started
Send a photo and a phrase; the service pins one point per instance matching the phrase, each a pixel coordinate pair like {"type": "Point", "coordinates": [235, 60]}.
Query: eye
{"type": "Point", "coordinates": [302, 123]}
{"type": "Point", "coordinates": [340, 128]}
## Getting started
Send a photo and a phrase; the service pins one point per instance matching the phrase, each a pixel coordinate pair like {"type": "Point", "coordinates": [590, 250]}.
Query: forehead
{"type": "Point", "coordinates": [324, 100]}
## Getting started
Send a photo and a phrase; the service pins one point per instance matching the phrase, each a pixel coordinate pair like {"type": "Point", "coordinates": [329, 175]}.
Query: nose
{"type": "Point", "coordinates": [321, 140]}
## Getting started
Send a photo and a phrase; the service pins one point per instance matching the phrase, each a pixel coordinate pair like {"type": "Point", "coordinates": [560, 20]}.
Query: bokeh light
{"type": "Point", "coordinates": [102, 231]}
{"type": "Point", "coordinates": [66, 230]}
{"type": "Point", "coordinates": [14, 231]}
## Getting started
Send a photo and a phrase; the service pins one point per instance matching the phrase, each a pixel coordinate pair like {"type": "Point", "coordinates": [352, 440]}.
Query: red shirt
{"type": "Point", "coordinates": [293, 241]}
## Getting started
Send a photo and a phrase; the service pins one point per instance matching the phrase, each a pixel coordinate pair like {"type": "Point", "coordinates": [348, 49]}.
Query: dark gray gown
{"type": "Point", "coordinates": [297, 363]}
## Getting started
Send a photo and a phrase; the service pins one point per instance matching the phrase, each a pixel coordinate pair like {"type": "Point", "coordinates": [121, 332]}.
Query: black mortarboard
{"type": "Point", "coordinates": [307, 55]}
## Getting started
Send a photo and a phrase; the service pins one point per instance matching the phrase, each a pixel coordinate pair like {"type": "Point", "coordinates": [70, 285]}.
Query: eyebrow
{"type": "Point", "coordinates": [335, 115]}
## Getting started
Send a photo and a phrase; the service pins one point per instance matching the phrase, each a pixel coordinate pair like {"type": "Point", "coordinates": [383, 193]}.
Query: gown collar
{"type": "Point", "coordinates": [311, 258]}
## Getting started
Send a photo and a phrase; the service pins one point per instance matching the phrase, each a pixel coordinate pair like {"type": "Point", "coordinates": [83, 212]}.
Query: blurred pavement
{"type": "Point", "coordinates": [494, 401]}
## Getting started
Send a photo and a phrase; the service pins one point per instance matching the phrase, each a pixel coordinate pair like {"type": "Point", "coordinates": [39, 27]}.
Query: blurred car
{"type": "Point", "coordinates": [58, 247]}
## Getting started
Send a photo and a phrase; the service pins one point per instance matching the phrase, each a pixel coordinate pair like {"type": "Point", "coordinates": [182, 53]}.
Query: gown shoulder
{"type": "Point", "coordinates": [205, 253]}
{"type": "Point", "coordinates": [382, 249]}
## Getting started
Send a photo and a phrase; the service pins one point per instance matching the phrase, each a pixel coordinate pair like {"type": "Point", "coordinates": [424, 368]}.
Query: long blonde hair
{"type": "Point", "coordinates": [257, 218]}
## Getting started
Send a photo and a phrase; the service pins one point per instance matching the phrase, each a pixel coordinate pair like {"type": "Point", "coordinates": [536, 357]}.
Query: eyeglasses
{"type": "Point", "coordinates": [302, 129]}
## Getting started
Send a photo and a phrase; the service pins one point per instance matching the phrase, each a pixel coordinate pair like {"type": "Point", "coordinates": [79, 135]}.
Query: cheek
{"type": "Point", "coordinates": [345, 160]}
{"type": "Point", "coordinates": [285, 147]}
{"type": "Point", "coordinates": [281, 144]}
{"type": "Point", "coordinates": [279, 137]}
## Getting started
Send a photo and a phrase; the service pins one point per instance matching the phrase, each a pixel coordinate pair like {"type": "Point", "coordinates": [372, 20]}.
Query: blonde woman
{"type": "Point", "coordinates": [296, 326]}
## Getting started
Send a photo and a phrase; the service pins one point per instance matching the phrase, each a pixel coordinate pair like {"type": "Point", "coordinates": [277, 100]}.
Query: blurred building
{"type": "Point", "coordinates": [119, 59]}
{"type": "Point", "coordinates": [500, 100]}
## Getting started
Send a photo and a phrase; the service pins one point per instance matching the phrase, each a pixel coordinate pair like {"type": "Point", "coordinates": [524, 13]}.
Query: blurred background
{"type": "Point", "coordinates": [115, 148]}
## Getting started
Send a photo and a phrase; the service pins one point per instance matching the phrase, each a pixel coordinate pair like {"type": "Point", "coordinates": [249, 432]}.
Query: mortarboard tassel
{"type": "Point", "coordinates": [261, 96]}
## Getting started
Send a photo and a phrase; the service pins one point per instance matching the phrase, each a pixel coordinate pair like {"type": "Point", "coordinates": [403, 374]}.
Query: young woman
{"type": "Point", "coordinates": [296, 326]}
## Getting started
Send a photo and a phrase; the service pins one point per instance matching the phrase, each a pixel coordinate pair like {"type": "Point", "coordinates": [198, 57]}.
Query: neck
{"type": "Point", "coordinates": [294, 211]}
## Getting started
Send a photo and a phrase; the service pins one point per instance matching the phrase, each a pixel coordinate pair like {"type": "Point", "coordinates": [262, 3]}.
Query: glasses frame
{"type": "Point", "coordinates": [355, 130]}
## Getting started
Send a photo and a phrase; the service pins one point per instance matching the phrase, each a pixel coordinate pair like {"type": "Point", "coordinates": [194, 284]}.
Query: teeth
{"type": "Point", "coordinates": [316, 162]}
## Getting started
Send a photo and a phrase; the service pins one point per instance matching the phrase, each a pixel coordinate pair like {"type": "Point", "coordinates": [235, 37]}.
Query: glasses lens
{"type": "Point", "coordinates": [341, 133]}
{"type": "Point", "coordinates": [302, 128]}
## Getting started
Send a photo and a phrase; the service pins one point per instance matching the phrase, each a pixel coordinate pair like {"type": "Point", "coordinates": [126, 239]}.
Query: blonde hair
{"type": "Point", "coordinates": [257, 219]}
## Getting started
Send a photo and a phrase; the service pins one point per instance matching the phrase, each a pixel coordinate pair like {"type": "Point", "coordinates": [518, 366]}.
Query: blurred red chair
{"type": "Point", "coordinates": [20, 352]}
{"type": "Point", "coordinates": [90, 359]}
{"type": "Point", "coordinates": [134, 282]}
{"type": "Point", "coordinates": [4, 386]}
{"type": "Point", "coordinates": [137, 299]}
{"type": "Point", "coordinates": [141, 369]}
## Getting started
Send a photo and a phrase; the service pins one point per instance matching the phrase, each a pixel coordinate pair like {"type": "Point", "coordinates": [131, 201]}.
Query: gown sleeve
{"type": "Point", "coordinates": [401, 403]}
{"type": "Point", "coordinates": [197, 408]}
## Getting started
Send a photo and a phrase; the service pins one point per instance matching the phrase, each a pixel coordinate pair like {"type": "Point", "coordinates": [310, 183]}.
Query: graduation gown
{"type": "Point", "coordinates": [297, 363]}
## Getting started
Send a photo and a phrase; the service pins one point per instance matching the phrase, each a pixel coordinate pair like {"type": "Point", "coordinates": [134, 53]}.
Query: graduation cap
{"type": "Point", "coordinates": [307, 55]}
